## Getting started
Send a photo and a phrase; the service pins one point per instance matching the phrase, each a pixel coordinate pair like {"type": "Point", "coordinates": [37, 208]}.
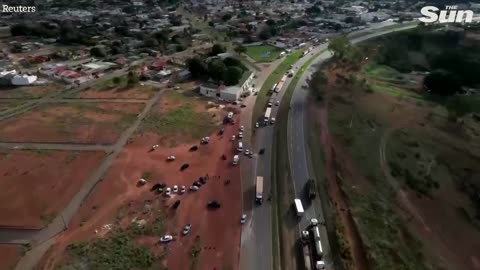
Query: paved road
{"type": "Point", "coordinates": [56, 146]}
{"type": "Point", "coordinates": [298, 147]}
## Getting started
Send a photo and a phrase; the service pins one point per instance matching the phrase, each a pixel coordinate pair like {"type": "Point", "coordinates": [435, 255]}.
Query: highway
{"type": "Point", "coordinates": [256, 241]}
{"type": "Point", "coordinates": [300, 165]}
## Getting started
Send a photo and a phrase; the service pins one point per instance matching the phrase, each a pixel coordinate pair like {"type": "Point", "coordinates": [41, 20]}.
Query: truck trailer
{"type": "Point", "coordinates": [299, 207]}
{"type": "Point", "coordinates": [259, 190]}
{"type": "Point", "coordinates": [266, 118]}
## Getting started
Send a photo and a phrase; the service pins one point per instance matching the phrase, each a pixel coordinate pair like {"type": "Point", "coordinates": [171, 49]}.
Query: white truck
{"type": "Point", "coordinates": [299, 207]}
{"type": "Point", "coordinates": [236, 158]}
{"type": "Point", "coordinates": [319, 265]}
{"type": "Point", "coordinates": [259, 190]}
{"type": "Point", "coordinates": [266, 118]}
{"type": "Point", "coordinates": [273, 87]}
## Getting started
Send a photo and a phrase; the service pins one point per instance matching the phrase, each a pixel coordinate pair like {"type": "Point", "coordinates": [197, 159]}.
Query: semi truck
{"type": "Point", "coordinates": [266, 119]}
{"type": "Point", "coordinates": [299, 207]}
{"type": "Point", "coordinates": [306, 250]}
{"type": "Point", "coordinates": [259, 190]}
{"type": "Point", "coordinates": [318, 243]}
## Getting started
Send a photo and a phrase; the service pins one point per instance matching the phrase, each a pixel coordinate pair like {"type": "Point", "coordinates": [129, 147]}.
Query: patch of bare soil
{"type": "Point", "coordinates": [28, 179]}
{"type": "Point", "coordinates": [118, 200]}
{"type": "Point", "coordinates": [71, 123]}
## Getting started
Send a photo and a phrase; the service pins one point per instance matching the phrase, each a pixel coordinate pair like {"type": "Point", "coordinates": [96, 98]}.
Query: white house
{"type": "Point", "coordinates": [229, 93]}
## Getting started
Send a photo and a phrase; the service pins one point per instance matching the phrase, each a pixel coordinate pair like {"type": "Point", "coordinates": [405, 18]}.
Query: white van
{"type": "Point", "coordinates": [240, 147]}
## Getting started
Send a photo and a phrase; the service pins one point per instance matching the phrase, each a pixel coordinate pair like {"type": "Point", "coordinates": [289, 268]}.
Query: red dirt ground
{"type": "Point", "coordinates": [140, 92]}
{"type": "Point", "coordinates": [9, 256]}
{"type": "Point", "coordinates": [28, 180]}
{"type": "Point", "coordinates": [71, 123]}
{"type": "Point", "coordinates": [218, 231]}
{"type": "Point", "coordinates": [34, 91]}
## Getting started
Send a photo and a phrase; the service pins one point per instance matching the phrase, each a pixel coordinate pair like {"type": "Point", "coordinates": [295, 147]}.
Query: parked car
{"type": "Point", "coordinates": [257, 125]}
{"type": "Point", "coordinates": [243, 105]}
{"type": "Point", "coordinates": [251, 154]}
{"type": "Point", "coordinates": [193, 148]}
{"type": "Point", "coordinates": [242, 128]}
{"type": "Point", "coordinates": [166, 238]}
{"type": "Point", "coordinates": [170, 158]}
{"type": "Point", "coordinates": [205, 140]}
{"type": "Point", "coordinates": [194, 188]}
{"type": "Point", "coordinates": [175, 189]}
{"type": "Point", "coordinates": [168, 191]}
{"type": "Point", "coordinates": [184, 166]}
{"type": "Point", "coordinates": [240, 135]}
{"type": "Point", "coordinates": [277, 103]}
{"type": "Point", "coordinates": [202, 180]}
{"type": "Point", "coordinates": [213, 204]}
{"type": "Point", "coordinates": [186, 229]}
{"type": "Point", "coordinates": [243, 219]}
{"type": "Point", "coordinates": [176, 204]}
{"type": "Point", "coordinates": [182, 190]}
{"type": "Point", "coordinates": [221, 131]}
{"type": "Point", "coordinates": [155, 187]}
{"type": "Point", "coordinates": [142, 182]}
{"type": "Point", "coordinates": [247, 152]}
{"type": "Point", "coordinates": [233, 138]}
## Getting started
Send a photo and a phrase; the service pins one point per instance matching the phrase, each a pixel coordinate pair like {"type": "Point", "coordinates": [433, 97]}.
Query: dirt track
{"type": "Point", "coordinates": [219, 231]}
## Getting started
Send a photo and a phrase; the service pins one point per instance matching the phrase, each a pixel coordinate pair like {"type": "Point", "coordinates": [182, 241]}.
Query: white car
{"type": "Point", "coordinates": [186, 229]}
{"type": "Point", "coordinates": [182, 190]}
{"type": "Point", "coordinates": [247, 152]}
{"type": "Point", "coordinates": [194, 188]}
{"type": "Point", "coordinates": [241, 128]}
{"type": "Point", "coordinates": [142, 181]}
{"type": "Point", "coordinates": [170, 158]}
{"type": "Point", "coordinates": [175, 189]}
{"type": "Point", "coordinates": [272, 121]}
{"type": "Point", "coordinates": [168, 191]}
{"type": "Point", "coordinates": [233, 137]}
{"type": "Point", "coordinates": [313, 221]}
{"type": "Point", "coordinates": [240, 135]}
{"type": "Point", "coordinates": [243, 219]}
{"type": "Point", "coordinates": [257, 125]}
{"type": "Point", "coordinates": [166, 238]}
{"type": "Point", "coordinates": [277, 103]}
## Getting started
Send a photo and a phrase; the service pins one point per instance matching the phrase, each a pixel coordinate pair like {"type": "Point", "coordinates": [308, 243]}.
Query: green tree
{"type": "Point", "coordinates": [132, 78]}
{"type": "Point", "coordinates": [217, 70]}
{"type": "Point", "coordinates": [150, 42]}
{"type": "Point", "coordinates": [240, 49]}
{"type": "Point", "coordinates": [197, 67]}
{"type": "Point", "coordinates": [442, 82]}
{"type": "Point", "coordinates": [98, 52]}
{"type": "Point", "coordinates": [233, 75]}
{"type": "Point", "coordinates": [226, 17]}
{"type": "Point", "coordinates": [117, 80]}
{"type": "Point", "coordinates": [217, 49]}
{"type": "Point", "coordinates": [339, 46]}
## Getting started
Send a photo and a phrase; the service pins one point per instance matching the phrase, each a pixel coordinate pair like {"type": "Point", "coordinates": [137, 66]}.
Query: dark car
{"type": "Point", "coordinates": [262, 151]}
{"type": "Point", "coordinates": [176, 204]}
{"type": "Point", "coordinates": [197, 183]}
{"type": "Point", "coordinates": [213, 204]}
{"type": "Point", "coordinates": [221, 131]}
{"type": "Point", "coordinates": [155, 187]}
{"type": "Point", "coordinates": [184, 166]}
{"type": "Point", "coordinates": [202, 180]}
{"type": "Point", "coordinates": [193, 148]}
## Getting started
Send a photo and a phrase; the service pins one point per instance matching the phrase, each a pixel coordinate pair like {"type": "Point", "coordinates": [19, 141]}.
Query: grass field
{"type": "Point", "coordinates": [274, 77]}
{"type": "Point", "coordinates": [263, 53]}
